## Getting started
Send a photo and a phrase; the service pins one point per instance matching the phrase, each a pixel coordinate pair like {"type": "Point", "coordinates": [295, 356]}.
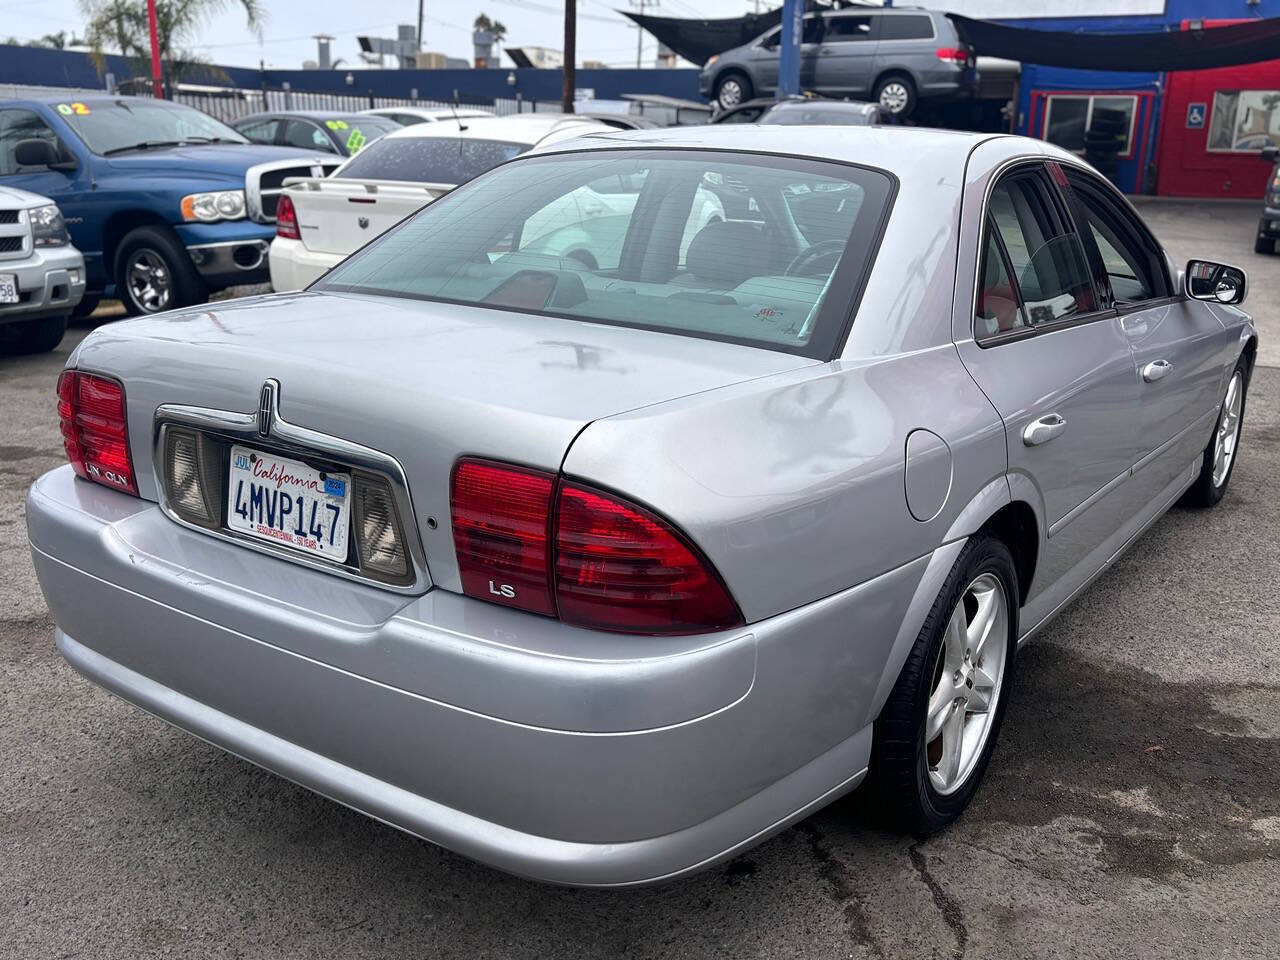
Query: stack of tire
{"type": "Point", "coordinates": [1104, 140]}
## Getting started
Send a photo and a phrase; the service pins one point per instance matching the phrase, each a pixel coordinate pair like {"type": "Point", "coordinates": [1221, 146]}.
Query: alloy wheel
{"type": "Point", "coordinates": [730, 93]}
{"type": "Point", "coordinates": [967, 681]}
{"type": "Point", "coordinates": [149, 280]}
{"type": "Point", "coordinates": [894, 96]}
{"type": "Point", "coordinates": [1228, 434]}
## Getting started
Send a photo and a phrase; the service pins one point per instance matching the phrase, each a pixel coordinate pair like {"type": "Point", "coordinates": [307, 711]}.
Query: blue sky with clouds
{"type": "Point", "coordinates": [286, 37]}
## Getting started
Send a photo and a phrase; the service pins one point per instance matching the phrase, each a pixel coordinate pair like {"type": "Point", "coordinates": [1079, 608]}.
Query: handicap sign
{"type": "Point", "coordinates": [1195, 116]}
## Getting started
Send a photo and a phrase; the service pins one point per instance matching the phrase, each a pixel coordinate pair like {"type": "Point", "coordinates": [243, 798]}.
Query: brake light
{"type": "Point", "coordinates": [287, 219]}
{"type": "Point", "coordinates": [95, 431]}
{"type": "Point", "coordinates": [500, 521]}
{"type": "Point", "coordinates": [620, 568]}
{"type": "Point", "coordinates": [957, 55]}
{"type": "Point", "coordinates": [595, 560]}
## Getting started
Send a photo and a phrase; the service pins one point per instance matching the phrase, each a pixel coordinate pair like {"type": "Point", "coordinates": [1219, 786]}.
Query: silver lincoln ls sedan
{"type": "Point", "coordinates": [601, 556]}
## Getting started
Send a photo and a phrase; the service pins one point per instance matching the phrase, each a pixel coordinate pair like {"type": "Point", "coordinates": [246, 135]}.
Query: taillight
{"type": "Point", "coordinates": [95, 431]}
{"type": "Point", "coordinates": [595, 560]}
{"type": "Point", "coordinates": [619, 567]}
{"type": "Point", "coordinates": [500, 521]}
{"type": "Point", "coordinates": [287, 219]}
{"type": "Point", "coordinates": [957, 55]}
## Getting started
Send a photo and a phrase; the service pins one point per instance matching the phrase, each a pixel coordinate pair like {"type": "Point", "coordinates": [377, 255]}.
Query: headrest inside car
{"type": "Point", "coordinates": [726, 252]}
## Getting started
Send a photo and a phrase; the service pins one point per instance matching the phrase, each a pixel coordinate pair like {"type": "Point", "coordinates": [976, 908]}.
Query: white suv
{"type": "Point", "coordinates": [41, 273]}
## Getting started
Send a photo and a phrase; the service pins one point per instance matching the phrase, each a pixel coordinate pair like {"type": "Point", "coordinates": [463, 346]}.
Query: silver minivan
{"type": "Point", "coordinates": [895, 57]}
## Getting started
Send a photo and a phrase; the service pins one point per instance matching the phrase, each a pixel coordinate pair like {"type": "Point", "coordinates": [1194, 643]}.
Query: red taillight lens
{"type": "Point", "coordinates": [287, 219]}
{"type": "Point", "coordinates": [614, 566]}
{"type": "Point", "coordinates": [621, 568]}
{"type": "Point", "coordinates": [953, 54]}
{"type": "Point", "coordinates": [500, 533]}
{"type": "Point", "coordinates": [95, 431]}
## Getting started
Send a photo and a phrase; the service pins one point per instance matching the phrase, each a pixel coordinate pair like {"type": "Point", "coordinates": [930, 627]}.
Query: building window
{"type": "Point", "coordinates": [1244, 121]}
{"type": "Point", "coordinates": [1070, 120]}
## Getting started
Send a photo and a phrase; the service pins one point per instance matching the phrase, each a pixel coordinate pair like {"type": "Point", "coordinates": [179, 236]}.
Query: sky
{"type": "Point", "coordinates": [286, 41]}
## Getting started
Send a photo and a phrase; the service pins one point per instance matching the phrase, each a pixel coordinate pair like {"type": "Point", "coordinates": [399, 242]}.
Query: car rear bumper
{"type": "Point", "coordinates": [50, 283]}
{"type": "Point", "coordinates": [293, 266]}
{"type": "Point", "coordinates": [547, 751]}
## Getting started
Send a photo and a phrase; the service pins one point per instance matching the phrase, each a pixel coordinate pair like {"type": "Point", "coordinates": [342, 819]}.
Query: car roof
{"type": "Point", "coordinates": [530, 128]}
{"type": "Point", "coordinates": [443, 113]}
{"type": "Point", "coordinates": [919, 154]}
{"type": "Point", "coordinates": [300, 114]}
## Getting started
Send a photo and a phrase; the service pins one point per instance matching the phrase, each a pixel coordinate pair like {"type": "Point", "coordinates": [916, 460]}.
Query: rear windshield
{"type": "Point", "coordinates": [450, 160]}
{"type": "Point", "coordinates": [769, 251]}
{"type": "Point", "coordinates": [795, 114]}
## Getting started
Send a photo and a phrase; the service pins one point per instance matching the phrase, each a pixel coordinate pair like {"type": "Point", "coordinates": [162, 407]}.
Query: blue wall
{"type": "Point", "coordinates": [60, 68]}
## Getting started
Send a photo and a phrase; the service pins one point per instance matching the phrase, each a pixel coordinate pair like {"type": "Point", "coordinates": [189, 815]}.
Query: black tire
{"type": "Point", "coordinates": [900, 758]}
{"type": "Point", "coordinates": [37, 336]}
{"type": "Point", "coordinates": [88, 303]}
{"type": "Point", "coordinates": [895, 81]}
{"type": "Point", "coordinates": [160, 247]}
{"type": "Point", "coordinates": [1205, 493]}
{"type": "Point", "coordinates": [738, 84]}
{"type": "Point", "coordinates": [1264, 245]}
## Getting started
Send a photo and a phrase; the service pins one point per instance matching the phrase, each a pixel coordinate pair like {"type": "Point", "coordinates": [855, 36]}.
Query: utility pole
{"type": "Point", "coordinates": [157, 87]}
{"type": "Point", "coordinates": [640, 5]}
{"type": "Point", "coordinates": [570, 69]}
{"type": "Point", "coordinates": [789, 49]}
{"type": "Point", "coordinates": [419, 50]}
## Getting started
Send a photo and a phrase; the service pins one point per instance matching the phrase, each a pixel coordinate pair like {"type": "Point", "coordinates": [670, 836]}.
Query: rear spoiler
{"type": "Point", "coordinates": [395, 188]}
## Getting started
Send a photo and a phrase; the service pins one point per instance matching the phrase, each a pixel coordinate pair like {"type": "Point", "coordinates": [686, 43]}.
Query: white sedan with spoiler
{"type": "Point", "coordinates": [321, 220]}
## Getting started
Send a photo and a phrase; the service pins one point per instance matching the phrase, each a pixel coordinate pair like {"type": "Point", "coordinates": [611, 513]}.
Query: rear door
{"type": "Point", "coordinates": [1057, 366]}
{"type": "Point", "coordinates": [847, 54]}
{"type": "Point", "coordinates": [1180, 348]}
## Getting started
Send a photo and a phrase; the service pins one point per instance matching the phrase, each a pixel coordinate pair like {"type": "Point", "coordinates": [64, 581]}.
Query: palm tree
{"type": "Point", "coordinates": [121, 25]}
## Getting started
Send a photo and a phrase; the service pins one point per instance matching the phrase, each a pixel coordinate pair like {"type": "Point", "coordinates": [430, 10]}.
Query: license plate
{"type": "Point", "coordinates": [287, 502]}
{"type": "Point", "coordinates": [8, 288]}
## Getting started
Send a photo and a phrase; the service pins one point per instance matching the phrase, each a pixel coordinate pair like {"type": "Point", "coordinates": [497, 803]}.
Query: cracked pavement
{"type": "Point", "coordinates": [1132, 808]}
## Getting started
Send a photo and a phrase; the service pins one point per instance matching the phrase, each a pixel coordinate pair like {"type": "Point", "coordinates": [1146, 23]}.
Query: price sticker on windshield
{"type": "Point", "coordinates": [336, 124]}
{"type": "Point", "coordinates": [73, 109]}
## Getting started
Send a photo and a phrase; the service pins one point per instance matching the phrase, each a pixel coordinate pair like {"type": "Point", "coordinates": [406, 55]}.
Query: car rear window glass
{"type": "Point", "coordinates": [830, 114]}
{"type": "Point", "coordinates": [905, 27]}
{"type": "Point", "coordinates": [449, 160]}
{"type": "Point", "coordinates": [770, 251]}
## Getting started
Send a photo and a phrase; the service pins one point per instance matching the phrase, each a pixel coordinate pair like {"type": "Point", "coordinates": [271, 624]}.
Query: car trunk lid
{"type": "Point", "coordinates": [424, 382]}
{"type": "Point", "coordinates": [341, 216]}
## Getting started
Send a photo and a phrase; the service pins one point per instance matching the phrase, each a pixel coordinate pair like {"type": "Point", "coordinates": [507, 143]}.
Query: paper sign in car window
{"type": "Point", "coordinates": [73, 109]}
{"type": "Point", "coordinates": [336, 124]}
{"type": "Point", "coordinates": [356, 141]}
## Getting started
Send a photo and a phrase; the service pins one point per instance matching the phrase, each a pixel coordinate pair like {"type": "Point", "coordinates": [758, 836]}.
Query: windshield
{"type": "Point", "coordinates": [108, 126]}
{"type": "Point", "coordinates": [769, 251]}
{"type": "Point", "coordinates": [450, 160]}
{"type": "Point", "coordinates": [796, 114]}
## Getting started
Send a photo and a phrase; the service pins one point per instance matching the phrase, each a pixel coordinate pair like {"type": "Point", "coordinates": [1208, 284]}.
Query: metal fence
{"type": "Point", "coordinates": [229, 103]}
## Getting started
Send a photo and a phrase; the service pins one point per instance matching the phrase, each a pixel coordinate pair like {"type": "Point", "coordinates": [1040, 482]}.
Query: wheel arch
{"type": "Point", "coordinates": [1250, 353]}
{"type": "Point", "coordinates": [118, 226]}
{"type": "Point", "coordinates": [896, 71]}
{"type": "Point", "coordinates": [1016, 526]}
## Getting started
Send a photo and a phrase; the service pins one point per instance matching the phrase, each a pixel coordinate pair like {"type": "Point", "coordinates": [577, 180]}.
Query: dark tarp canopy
{"type": "Point", "coordinates": [1139, 52]}
{"type": "Point", "coordinates": [697, 40]}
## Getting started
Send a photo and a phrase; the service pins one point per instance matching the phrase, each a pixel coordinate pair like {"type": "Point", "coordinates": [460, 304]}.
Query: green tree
{"type": "Point", "coordinates": [121, 25]}
{"type": "Point", "coordinates": [495, 27]}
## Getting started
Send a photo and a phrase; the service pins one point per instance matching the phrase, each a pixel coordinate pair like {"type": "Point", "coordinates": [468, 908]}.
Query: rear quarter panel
{"type": "Point", "coordinates": [794, 485]}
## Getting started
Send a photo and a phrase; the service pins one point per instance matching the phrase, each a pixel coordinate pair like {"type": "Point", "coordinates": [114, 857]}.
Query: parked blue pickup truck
{"type": "Point", "coordinates": [154, 193]}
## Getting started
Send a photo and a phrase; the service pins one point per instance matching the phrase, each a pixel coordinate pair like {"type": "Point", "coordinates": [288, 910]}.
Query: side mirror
{"type": "Point", "coordinates": [39, 153]}
{"type": "Point", "coordinates": [1215, 282]}
{"type": "Point", "coordinates": [1271, 154]}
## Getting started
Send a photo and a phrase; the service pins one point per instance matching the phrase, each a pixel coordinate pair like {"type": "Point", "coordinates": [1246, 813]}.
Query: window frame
{"type": "Point", "coordinates": [1038, 167]}
{"type": "Point", "coordinates": [1117, 208]}
{"type": "Point", "coordinates": [1127, 153]}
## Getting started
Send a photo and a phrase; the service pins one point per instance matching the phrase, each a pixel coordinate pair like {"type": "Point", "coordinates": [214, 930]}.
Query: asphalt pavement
{"type": "Point", "coordinates": [1132, 809]}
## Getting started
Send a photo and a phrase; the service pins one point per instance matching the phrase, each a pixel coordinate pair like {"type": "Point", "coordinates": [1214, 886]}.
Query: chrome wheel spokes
{"type": "Point", "coordinates": [1227, 436]}
{"type": "Point", "coordinates": [894, 97]}
{"type": "Point", "coordinates": [967, 681]}
{"type": "Point", "coordinates": [149, 281]}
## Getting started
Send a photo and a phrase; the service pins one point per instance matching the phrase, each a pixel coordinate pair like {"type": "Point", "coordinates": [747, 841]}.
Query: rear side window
{"type": "Point", "coordinates": [1043, 260]}
{"type": "Point", "coordinates": [905, 27]}
{"type": "Point", "coordinates": [448, 160]}
{"type": "Point", "coordinates": [260, 131]}
{"type": "Point", "coordinates": [769, 251]}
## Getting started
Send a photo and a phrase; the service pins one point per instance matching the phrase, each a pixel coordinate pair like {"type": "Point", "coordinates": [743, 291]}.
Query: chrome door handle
{"type": "Point", "coordinates": [1043, 430]}
{"type": "Point", "coordinates": [1156, 369]}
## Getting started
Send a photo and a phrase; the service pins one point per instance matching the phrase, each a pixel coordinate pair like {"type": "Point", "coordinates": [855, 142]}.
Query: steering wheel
{"type": "Point", "coordinates": [816, 256]}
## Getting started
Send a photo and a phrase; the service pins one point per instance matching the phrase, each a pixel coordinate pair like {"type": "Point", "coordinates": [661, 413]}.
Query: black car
{"type": "Point", "coordinates": [1269, 224]}
{"type": "Point", "coordinates": [329, 131]}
